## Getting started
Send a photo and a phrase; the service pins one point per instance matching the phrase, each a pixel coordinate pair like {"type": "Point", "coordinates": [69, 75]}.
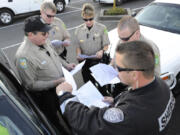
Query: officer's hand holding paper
{"type": "Point", "coordinates": [57, 43]}
{"type": "Point", "coordinates": [77, 68]}
{"type": "Point", "coordinates": [71, 66]}
{"type": "Point", "coordinates": [66, 43]}
{"type": "Point", "coordinates": [83, 56]}
{"type": "Point", "coordinates": [89, 95]}
{"type": "Point", "coordinates": [69, 78]}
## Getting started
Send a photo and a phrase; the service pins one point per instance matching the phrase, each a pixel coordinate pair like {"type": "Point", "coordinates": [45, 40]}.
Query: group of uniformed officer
{"type": "Point", "coordinates": [40, 58]}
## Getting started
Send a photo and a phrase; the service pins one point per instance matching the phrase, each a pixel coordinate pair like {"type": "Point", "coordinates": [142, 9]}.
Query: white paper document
{"type": "Point", "coordinates": [89, 95]}
{"type": "Point", "coordinates": [86, 56]}
{"type": "Point", "coordinates": [115, 80]}
{"type": "Point", "coordinates": [104, 74]}
{"type": "Point", "coordinates": [69, 78]}
{"type": "Point", "coordinates": [77, 68]}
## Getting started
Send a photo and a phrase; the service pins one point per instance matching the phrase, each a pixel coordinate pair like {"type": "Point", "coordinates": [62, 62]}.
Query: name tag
{"type": "Point", "coordinates": [43, 62]}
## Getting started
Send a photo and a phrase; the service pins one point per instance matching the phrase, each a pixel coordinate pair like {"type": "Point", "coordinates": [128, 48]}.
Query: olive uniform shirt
{"type": "Point", "coordinates": [156, 52]}
{"type": "Point", "coordinates": [38, 67]}
{"type": "Point", "coordinates": [93, 40]}
{"type": "Point", "coordinates": [58, 32]}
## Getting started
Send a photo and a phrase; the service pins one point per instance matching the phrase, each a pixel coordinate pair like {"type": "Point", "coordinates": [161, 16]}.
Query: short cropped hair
{"type": "Point", "coordinates": [128, 22]}
{"type": "Point", "coordinates": [48, 5]}
{"type": "Point", "coordinates": [87, 10]}
{"type": "Point", "coordinates": [138, 55]}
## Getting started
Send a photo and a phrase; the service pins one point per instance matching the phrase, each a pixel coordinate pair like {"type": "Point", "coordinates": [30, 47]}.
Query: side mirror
{"type": "Point", "coordinates": [133, 14]}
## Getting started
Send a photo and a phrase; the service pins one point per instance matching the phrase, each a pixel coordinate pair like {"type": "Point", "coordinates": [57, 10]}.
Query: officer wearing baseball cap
{"type": "Point", "coordinates": [34, 23]}
{"type": "Point", "coordinates": [40, 67]}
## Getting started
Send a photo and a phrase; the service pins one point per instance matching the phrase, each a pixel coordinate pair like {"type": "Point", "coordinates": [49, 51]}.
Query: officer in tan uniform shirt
{"type": "Point", "coordinates": [59, 36]}
{"type": "Point", "coordinates": [129, 30]}
{"type": "Point", "coordinates": [40, 68]}
{"type": "Point", "coordinates": [91, 39]}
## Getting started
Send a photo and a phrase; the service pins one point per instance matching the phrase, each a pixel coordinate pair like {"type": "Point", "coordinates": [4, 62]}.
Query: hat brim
{"type": "Point", "coordinates": [46, 28]}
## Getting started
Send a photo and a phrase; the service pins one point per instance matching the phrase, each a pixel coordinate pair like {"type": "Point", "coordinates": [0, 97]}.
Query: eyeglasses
{"type": "Point", "coordinates": [90, 19]}
{"type": "Point", "coordinates": [44, 33]}
{"type": "Point", "coordinates": [50, 16]}
{"type": "Point", "coordinates": [120, 69]}
{"type": "Point", "coordinates": [127, 38]}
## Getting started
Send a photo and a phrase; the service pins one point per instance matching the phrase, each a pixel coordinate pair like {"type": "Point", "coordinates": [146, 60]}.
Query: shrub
{"type": "Point", "coordinates": [115, 11]}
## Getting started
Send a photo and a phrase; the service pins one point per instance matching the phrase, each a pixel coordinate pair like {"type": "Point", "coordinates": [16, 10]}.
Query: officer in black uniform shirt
{"type": "Point", "coordinates": [145, 109]}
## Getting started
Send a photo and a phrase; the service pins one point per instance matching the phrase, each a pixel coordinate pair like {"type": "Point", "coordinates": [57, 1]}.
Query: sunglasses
{"type": "Point", "coordinates": [44, 33]}
{"type": "Point", "coordinates": [90, 19]}
{"type": "Point", "coordinates": [127, 38]}
{"type": "Point", "coordinates": [50, 16]}
{"type": "Point", "coordinates": [120, 69]}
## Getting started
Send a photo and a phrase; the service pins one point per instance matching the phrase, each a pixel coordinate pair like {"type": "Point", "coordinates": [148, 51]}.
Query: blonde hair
{"type": "Point", "coordinates": [87, 10]}
{"type": "Point", "coordinates": [48, 5]}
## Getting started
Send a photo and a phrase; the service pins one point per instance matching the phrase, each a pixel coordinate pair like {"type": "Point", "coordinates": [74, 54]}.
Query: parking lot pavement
{"type": "Point", "coordinates": [11, 36]}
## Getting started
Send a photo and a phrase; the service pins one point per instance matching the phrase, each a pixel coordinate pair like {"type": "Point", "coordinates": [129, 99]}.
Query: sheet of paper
{"type": "Point", "coordinates": [86, 56]}
{"type": "Point", "coordinates": [89, 95]}
{"type": "Point", "coordinates": [77, 68]}
{"type": "Point", "coordinates": [115, 80]}
{"type": "Point", "coordinates": [103, 73]}
{"type": "Point", "coordinates": [69, 78]}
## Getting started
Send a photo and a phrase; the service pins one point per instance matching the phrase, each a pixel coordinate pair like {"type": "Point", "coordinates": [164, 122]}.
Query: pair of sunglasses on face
{"type": "Point", "coordinates": [89, 19]}
{"type": "Point", "coordinates": [50, 16]}
{"type": "Point", "coordinates": [127, 38]}
{"type": "Point", "coordinates": [120, 69]}
{"type": "Point", "coordinates": [44, 33]}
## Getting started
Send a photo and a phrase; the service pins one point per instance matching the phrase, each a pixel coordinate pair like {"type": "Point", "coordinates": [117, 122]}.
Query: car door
{"type": "Point", "coordinates": [13, 116]}
{"type": "Point", "coordinates": [18, 6]}
{"type": "Point", "coordinates": [35, 5]}
{"type": "Point", "coordinates": [17, 114]}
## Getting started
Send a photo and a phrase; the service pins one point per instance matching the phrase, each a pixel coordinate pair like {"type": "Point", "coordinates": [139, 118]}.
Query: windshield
{"type": "Point", "coordinates": [161, 16]}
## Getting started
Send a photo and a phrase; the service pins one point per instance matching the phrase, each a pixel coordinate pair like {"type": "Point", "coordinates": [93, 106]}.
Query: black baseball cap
{"type": "Point", "coordinates": [34, 23]}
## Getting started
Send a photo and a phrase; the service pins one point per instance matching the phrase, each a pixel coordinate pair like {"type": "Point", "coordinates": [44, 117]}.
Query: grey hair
{"type": "Point", "coordinates": [48, 5]}
{"type": "Point", "coordinates": [128, 22]}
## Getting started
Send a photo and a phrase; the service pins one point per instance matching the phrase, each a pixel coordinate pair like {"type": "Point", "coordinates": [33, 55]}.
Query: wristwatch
{"type": "Point", "coordinates": [61, 92]}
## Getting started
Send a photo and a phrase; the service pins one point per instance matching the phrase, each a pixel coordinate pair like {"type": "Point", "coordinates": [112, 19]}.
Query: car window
{"type": "Point", "coordinates": [14, 110]}
{"type": "Point", "coordinates": [9, 125]}
{"type": "Point", "coordinates": [161, 16]}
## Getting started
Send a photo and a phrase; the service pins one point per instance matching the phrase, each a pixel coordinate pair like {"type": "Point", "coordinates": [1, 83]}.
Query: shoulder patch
{"type": "Point", "coordinates": [113, 115]}
{"type": "Point", "coordinates": [64, 26]}
{"type": "Point", "coordinates": [105, 31]}
{"type": "Point", "coordinates": [23, 63]}
{"type": "Point", "coordinates": [156, 59]}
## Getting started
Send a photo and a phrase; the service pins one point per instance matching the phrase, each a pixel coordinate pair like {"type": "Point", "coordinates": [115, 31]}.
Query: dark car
{"type": "Point", "coordinates": [19, 115]}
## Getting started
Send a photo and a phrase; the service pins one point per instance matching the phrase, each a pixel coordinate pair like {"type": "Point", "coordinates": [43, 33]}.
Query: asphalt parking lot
{"type": "Point", "coordinates": [11, 36]}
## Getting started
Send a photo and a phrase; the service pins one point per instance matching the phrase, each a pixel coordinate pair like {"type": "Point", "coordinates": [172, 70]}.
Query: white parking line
{"type": "Point", "coordinates": [68, 12]}
{"type": "Point", "coordinates": [10, 26]}
{"type": "Point", "coordinates": [74, 7]}
{"type": "Point", "coordinates": [14, 45]}
{"type": "Point", "coordinates": [5, 27]}
{"type": "Point", "coordinates": [108, 21]}
{"type": "Point", "coordinates": [77, 1]}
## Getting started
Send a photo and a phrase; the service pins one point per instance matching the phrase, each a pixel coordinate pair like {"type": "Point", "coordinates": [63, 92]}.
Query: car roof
{"type": "Point", "coordinates": [168, 1]}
